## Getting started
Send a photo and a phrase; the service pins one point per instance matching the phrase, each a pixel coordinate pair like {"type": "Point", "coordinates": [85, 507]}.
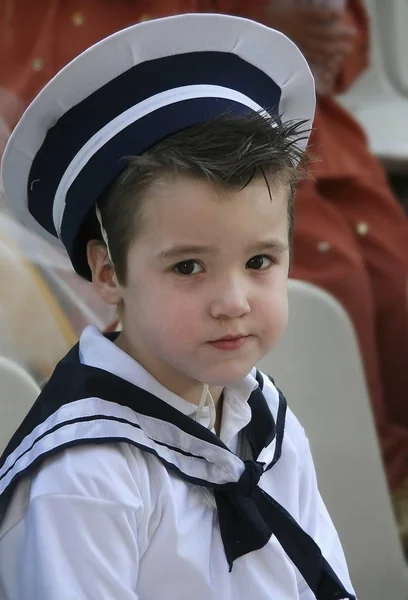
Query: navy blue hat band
{"type": "Point", "coordinates": [143, 81]}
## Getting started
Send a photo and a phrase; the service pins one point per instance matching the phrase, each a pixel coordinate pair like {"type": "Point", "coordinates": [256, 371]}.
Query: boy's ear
{"type": "Point", "coordinates": [104, 278]}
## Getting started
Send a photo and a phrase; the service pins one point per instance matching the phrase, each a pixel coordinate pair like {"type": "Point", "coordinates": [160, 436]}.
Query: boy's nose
{"type": "Point", "coordinates": [230, 302]}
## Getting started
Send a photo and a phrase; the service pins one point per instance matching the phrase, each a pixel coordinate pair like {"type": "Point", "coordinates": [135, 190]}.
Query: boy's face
{"type": "Point", "coordinates": [207, 264]}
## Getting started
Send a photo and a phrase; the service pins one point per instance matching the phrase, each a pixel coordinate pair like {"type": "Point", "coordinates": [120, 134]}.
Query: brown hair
{"type": "Point", "coordinates": [229, 151]}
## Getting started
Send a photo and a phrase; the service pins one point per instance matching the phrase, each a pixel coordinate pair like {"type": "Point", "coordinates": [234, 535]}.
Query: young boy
{"type": "Point", "coordinates": [159, 463]}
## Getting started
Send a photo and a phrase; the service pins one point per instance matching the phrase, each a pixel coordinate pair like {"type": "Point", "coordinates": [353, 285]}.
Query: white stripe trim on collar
{"type": "Point", "coordinates": [210, 462]}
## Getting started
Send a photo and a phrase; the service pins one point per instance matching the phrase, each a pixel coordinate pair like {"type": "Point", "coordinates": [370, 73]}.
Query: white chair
{"type": "Point", "coordinates": [317, 365]}
{"type": "Point", "coordinates": [379, 98]}
{"type": "Point", "coordinates": [18, 391]}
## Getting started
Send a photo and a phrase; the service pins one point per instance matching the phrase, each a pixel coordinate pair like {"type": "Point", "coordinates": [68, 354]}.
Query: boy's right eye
{"type": "Point", "coordinates": [188, 267]}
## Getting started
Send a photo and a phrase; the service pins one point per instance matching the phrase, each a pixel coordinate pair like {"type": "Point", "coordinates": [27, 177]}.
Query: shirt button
{"type": "Point", "coordinates": [37, 64]}
{"type": "Point", "coordinates": [362, 228]}
{"type": "Point", "coordinates": [323, 246]}
{"type": "Point", "coordinates": [78, 19]}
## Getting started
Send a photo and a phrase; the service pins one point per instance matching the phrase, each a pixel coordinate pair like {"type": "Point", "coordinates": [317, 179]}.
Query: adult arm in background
{"type": "Point", "coordinates": [336, 40]}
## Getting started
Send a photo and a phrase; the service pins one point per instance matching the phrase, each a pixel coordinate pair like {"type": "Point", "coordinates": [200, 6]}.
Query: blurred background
{"type": "Point", "coordinates": [343, 363]}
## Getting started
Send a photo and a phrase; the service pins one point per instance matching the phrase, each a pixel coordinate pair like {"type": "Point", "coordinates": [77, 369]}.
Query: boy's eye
{"type": "Point", "coordinates": [188, 267]}
{"type": "Point", "coordinates": [259, 262]}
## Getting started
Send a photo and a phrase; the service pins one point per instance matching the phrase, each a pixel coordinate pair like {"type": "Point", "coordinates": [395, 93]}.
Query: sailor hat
{"type": "Point", "coordinates": [128, 92]}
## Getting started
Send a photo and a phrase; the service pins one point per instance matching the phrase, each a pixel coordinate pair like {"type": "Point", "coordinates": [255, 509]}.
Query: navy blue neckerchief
{"type": "Point", "coordinates": [248, 516]}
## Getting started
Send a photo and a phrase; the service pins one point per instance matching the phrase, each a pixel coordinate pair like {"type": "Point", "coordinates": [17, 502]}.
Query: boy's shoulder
{"type": "Point", "coordinates": [105, 471]}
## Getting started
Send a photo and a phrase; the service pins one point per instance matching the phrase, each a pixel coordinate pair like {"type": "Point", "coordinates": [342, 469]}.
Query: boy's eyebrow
{"type": "Point", "coordinates": [271, 245]}
{"type": "Point", "coordinates": [181, 251]}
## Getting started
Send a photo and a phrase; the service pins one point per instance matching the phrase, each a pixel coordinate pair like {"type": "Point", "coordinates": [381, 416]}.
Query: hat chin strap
{"type": "Point", "coordinates": [103, 232]}
{"type": "Point", "coordinates": [206, 397]}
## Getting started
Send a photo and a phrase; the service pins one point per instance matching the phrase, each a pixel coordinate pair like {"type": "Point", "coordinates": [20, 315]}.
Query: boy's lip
{"type": "Point", "coordinates": [230, 342]}
{"type": "Point", "coordinates": [233, 336]}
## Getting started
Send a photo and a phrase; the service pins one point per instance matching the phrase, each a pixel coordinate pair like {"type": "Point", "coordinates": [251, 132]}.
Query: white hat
{"type": "Point", "coordinates": [128, 92]}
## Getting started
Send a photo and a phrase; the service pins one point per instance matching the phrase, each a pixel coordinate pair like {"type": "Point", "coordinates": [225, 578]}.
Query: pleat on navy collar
{"type": "Point", "coordinates": [119, 411]}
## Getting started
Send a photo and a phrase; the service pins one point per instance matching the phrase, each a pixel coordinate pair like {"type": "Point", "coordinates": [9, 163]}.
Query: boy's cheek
{"type": "Point", "coordinates": [274, 315]}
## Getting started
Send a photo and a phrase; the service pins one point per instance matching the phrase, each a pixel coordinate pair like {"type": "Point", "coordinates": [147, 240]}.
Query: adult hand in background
{"type": "Point", "coordinates": [320, 33]}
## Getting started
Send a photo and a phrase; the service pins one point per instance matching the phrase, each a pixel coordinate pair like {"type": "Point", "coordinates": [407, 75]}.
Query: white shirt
{"type": "Point", "coordinates": [110, 521]}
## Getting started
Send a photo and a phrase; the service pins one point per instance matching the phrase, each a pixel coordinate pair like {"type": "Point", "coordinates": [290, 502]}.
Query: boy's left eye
{"type": "Point", "coordinates": [259, 263]}
{"type": "Point", "coordinates": [188, 267]}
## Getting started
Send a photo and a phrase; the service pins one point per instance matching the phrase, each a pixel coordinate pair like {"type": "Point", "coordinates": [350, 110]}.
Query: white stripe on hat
{"type": "Point", "coordinates": [133, 114]}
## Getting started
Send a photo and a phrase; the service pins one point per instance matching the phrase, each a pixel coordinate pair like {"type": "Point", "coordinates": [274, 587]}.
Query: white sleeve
{"type": "Point", "coordinates": [81, 543]}
{"type": "Point", "coordinates": [316, 521]}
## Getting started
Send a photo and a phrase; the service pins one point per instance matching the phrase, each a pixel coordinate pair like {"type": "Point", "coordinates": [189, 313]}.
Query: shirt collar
{"type": "Point", "coordinates": [95, 350]}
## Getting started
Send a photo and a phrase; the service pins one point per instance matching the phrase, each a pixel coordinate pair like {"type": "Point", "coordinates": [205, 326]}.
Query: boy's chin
{"type": "Point", "coordinates": [226, 376]}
